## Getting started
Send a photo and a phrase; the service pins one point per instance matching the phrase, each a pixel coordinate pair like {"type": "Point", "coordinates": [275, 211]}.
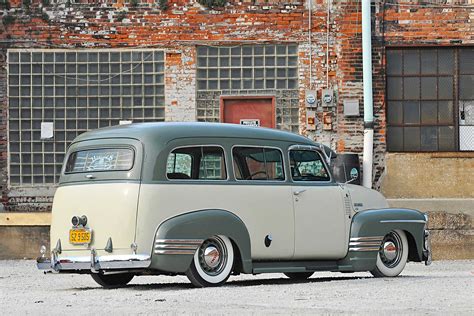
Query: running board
{"type": "Point", "coordinates": [293, 266]}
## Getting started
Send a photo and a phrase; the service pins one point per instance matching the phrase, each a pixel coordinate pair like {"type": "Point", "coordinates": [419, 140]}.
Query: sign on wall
{"type": "Point", "coordinates": [250, 122]}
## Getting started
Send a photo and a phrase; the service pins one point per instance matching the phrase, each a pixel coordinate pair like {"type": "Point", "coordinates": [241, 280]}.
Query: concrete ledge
{"type": "Point", "coordinates": [453, 206]}
{"type": "Point", "coordinates": [452, 244]}
{"type": "Point", "coordinates": [22, 242]}
{"type": "Point", "coordinates": [25, 219]}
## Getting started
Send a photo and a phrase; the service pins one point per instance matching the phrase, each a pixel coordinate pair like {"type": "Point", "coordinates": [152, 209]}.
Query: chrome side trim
{"type": "Point", "coordinates": [364, 243]}
{"type": "Point", "coordinates": [370, 243]}
{"type": "Point", "coordinates": [179, 241]}
{"type": "Point", "coordinates": [177, 246]}
{"type": "Point", "coordinates": [365, 249]}
{"type": "Point", "coordinates": [174, 252]}
{"type": "Point", "coordinates": [404, 221]}
{"type": "Point", "coordinates": [371, 238]}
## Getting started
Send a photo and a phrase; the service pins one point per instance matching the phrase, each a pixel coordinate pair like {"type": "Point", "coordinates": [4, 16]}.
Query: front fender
{"type": "Point", "coordinates": [197, 226]}
{"type": "Point", "coordinates": [368, 228]}
{"type": "Point", "coordinates": [380, 222]}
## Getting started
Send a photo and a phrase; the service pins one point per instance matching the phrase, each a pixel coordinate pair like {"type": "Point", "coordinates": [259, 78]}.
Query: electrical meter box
{"type": "Point", "coordinates": [327, 98]}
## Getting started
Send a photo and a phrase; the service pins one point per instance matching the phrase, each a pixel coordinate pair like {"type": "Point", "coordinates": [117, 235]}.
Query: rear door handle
{"type": "Point", "coordinates": [298, 192]}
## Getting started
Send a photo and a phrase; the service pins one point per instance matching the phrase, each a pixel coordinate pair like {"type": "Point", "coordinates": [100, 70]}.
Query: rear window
{"type": "Point", "coordinates": [107, 159]}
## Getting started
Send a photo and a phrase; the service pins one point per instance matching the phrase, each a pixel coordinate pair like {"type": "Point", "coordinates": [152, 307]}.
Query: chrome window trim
{"type": "Point", "coordinates": [259, 181]}
{"type": "Point", "coordinates": [318, 151]}
{"type": "Point", "coordinates": [404, 221]}
{"type": "Point", "coordinates": [199, 180]}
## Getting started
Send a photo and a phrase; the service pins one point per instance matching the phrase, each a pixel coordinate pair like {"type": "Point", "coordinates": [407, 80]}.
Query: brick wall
{"type": "Point", "coordinates": [94, 24]}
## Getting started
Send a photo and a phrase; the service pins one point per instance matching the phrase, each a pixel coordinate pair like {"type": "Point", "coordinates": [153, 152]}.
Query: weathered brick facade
{"type": "Point", "coordinates": [186, 24]}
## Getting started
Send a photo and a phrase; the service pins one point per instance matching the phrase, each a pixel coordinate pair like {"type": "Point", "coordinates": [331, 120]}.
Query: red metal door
{"type": "Point", "coordinates": [248, 110]}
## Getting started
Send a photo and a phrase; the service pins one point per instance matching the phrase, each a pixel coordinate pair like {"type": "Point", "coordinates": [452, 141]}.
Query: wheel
{"type": "Point", "coordinates": [392, 256]}
{"type": "Point", "coordinates": [212, 262]}
{"type": "Point", "coordinates": [298, 276]}
{"type": "Point", "coordinates": [112, 280]}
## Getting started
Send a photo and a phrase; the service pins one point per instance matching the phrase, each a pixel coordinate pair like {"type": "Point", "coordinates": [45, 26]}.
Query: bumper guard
{"type": "Point", "coordinates": [427, 248]}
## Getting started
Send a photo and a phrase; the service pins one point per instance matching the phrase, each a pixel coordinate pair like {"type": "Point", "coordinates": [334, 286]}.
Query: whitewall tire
{"type": "Point", "coordinates": [392, 256]}
{"type": "Point", "coordinates": [212, 263]}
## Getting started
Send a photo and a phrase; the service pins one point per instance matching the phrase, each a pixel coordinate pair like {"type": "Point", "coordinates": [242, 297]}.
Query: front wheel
{"type": "Point", "coordinates": [392, 256]}
{"type": "Point", "coordinates": [112, 280]}
{"type": "Point", "coordinates": [212, 262]}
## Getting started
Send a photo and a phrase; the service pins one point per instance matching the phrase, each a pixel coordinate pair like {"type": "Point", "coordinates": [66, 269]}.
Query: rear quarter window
{"type": "Point", "coordinates": [105, 159]}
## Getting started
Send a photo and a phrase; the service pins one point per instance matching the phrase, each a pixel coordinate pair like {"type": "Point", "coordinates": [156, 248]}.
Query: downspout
{"type": "Point", "coordinates": [367, 158]}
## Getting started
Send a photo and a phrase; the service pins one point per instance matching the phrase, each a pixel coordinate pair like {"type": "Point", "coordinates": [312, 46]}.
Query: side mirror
{"type": "Point", "coordinates": [354, 175]}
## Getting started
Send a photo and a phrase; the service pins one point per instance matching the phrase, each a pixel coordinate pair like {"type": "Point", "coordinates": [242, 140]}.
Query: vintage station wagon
{"type": "Point", "coordinates": [209, 200]}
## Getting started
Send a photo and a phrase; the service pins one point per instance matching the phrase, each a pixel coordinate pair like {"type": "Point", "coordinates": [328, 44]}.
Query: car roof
{"type": "Point", "coordinates": [164, 132]}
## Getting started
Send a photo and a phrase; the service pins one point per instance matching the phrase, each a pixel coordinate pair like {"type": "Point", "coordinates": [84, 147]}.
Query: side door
{"type": "Point", "coordinates": [320, 219]}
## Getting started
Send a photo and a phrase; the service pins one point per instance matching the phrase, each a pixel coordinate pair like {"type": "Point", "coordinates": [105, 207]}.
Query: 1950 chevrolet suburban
{"type": "Point", "coordinates": [208, 200]}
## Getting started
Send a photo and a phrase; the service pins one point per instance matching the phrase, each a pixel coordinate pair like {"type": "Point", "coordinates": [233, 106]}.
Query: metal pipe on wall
{"type": "Point", "coordinates": [367, 158]}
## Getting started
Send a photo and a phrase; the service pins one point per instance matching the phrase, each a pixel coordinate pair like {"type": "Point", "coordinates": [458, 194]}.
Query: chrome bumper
{"type": "Point", "coordinates": [427, 248]}
{"type": "Point", "coordinates": [93, 263]}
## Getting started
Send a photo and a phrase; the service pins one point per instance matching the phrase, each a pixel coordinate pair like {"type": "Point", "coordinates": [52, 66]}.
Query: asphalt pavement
{"type": "Point", "coordinates": [445, 287]}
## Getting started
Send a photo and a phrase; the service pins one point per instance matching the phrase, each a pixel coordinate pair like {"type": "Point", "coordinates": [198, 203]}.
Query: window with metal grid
{"type": "Point", "coordinates": [76, 90]}
{"type": "Point", "coordinates": [423, 92]}
{"type": "Point", "coordinates": [254, 67]}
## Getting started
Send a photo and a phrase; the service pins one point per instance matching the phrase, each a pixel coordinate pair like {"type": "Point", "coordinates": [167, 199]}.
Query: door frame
{"type": "Point", "coordinates": [223, 98]}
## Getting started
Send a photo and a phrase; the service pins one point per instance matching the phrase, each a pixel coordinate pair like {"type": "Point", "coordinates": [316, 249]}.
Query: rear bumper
{"type": "Point", "coordinates": [93, 263]}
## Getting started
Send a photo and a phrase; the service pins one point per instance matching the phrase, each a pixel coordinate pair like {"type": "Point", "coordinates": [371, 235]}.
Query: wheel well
{"type": "Point", "coordinates": [237, 258]}
{"type": "Point", "coordinates": [412, 248]}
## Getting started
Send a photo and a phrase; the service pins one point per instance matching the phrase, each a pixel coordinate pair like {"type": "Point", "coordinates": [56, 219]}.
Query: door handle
{"type": "Point", "coordinates": [298, 192]}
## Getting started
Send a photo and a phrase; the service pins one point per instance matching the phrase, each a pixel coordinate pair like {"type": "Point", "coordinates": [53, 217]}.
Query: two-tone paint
{"type": "Point", "coordinates": [146, 223]}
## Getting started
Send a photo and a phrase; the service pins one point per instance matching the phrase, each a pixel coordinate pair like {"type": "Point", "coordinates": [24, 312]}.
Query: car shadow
{"type": "Point", "coordinates": [239, 283]}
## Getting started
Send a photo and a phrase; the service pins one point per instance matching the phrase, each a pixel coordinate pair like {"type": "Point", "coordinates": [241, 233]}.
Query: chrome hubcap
{"type": "Point", "coordinates": [211, 256]}
{"type": "Point", "coordinates": [391, 250]}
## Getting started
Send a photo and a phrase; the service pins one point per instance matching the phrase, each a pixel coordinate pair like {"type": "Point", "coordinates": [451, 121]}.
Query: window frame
{"type": "Point", "coordinates": [224, 155]}
{"type": "Point", "coordinates": [285, 179]}
{"type": "Point", "coordinates": [321, 155]}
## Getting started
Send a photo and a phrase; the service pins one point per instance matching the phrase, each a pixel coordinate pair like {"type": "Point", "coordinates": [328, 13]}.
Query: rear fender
{"type": "Point", "coordinates": [192, 229]}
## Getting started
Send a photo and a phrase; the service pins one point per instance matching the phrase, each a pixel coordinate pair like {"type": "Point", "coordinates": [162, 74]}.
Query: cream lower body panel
{"type": "Point", "coordinates": [111, 210]}
{"type": "Point", "coordinates": [265, 210]}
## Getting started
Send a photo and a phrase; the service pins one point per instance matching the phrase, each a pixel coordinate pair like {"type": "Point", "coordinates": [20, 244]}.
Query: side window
{"type": "Point", "coordinates": [179, 166]}
{"type": "Point", "coordinates": [212, 164]}
{"type": "Point", "coordinates": [257, 163]}
{"type": "Point", "coordinates": [307, 165]}
{"type": "Point", "coordinates": [196, 163]}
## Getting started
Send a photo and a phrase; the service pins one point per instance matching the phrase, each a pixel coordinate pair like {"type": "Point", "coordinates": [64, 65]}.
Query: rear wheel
{"type": "Point", "coordinates": [392, 256]}
{"type": "Point", "coordinates": [212, 262]}
{"type": "Point", "coordinates": [112, 280]}
{"type": "Point", "coordinates": [299, 276]}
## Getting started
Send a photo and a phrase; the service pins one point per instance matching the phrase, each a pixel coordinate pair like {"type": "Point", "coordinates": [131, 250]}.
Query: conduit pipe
{"type": "Point", "coordinates": [367, 158]}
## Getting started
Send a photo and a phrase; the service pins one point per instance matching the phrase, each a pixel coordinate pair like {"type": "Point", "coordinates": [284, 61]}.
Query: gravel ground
{"type": "Point", "coordinates": [445, 287]}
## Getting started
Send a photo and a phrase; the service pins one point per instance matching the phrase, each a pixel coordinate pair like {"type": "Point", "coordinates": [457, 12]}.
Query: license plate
{"type": "Point", "coordinates": [80, 236]}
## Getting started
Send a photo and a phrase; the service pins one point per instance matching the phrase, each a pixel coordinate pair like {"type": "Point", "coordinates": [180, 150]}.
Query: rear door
{"type": "Point", "coordinates": [320, 220]}
{"type": "Point", "coordinates": [101, 181]}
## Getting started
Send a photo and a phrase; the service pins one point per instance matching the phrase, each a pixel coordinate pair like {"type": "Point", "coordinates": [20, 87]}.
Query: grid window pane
{"type": "Point", "coordinates": [430, 76]}
{"type": "Point", "coordinates": [68, 88]}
